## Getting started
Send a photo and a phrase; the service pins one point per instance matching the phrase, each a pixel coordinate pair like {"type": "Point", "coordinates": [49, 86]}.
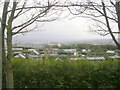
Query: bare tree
{"type": "Point", "coordinates": [21, 17]}
{"type": "Point", "coordinates": [17, 17]}
{"type": "Point", "coordinates": [105, 14]}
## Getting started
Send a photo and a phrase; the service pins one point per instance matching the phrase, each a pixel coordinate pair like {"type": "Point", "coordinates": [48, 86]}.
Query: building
{"type": "Point", "coordinates": [75, 59]}
{"type": "Point", "coordinates": [19, 55]}
{"type": "Point", "coordinates": [70, 50]}
{"type": "Point", "coordinates": [32, 53]}
{"type": "Point", "coordinates": [110, 51]}
{"type": "Point", "coordinates": [86, 50]}
{"type": "Point", "coordinates": [17, 48]}
{"type": "Point", "coordinates": [115, 57]}
{"type": "Point", "coordinates": [95, 58]}
{"type": "Point", "coordinates": [52, 51]}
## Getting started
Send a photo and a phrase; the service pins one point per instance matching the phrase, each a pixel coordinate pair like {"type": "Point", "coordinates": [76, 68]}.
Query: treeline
{"type": "Point", "coordinates": [64, 74]}
{"type": "Point", "coordinates": [83, 46]}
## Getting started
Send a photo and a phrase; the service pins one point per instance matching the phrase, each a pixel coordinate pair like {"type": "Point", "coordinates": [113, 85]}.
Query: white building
{"type": "Point", "coordinates": [33, 50]}
{"type": "Point", "coordinates": [86, 50]}
{"type": "Point", "coordinates": [70, 50]}
{"type": "Point", "coordinates": [110, 51]}
{"type": "Point", "coordinates": [19, 55]}
{"type": "Point", "coordinates": [75, 53]}
{"type": "Point", "coordinates": [95, 58]}
{"type": "Point", "coordinates": [114, 57]}
{"type": "Point", "coordinates": [17, 49]}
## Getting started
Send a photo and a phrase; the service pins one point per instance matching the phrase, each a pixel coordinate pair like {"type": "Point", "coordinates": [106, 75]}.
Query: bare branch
{"type": "Point", "coordinates": [20, 10]}
{"type": "Point", "coordinates": [25, 31]}
{"type": "Point", "coordinates": [32, 19]}
{"type": "Point", "coordinates": [95, 19]}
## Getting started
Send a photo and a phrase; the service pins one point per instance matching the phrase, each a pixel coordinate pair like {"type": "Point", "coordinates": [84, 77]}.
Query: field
{"type": "Point", "coordinates": [63, 74]}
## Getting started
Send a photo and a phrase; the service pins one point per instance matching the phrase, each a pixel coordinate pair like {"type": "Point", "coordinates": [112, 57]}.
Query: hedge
{"type": "Point", "coordinates": [64, 74]}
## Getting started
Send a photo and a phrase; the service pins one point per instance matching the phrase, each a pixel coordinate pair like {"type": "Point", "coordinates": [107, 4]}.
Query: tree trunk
{"type": "Point", "coordinates": [8, 65]}
{"type": "Point", "coordinates": [7, 61]}
{"type": "Point", "coordinates": [3, 26]}
{"type": "Point", "coordinates": [118, 13]}
{"type": "Point", "coordinates": [108, 26]}
{"type": "Point", "coordinates": [9, 74]}
{"type": "Point", "coordinates": [0, 56]}
{"type": "Point", "coordinates": [118, 16]}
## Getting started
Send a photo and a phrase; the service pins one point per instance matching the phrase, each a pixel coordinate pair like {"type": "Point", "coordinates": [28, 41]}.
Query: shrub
{"type": "Point", "coordinates": [64, 74]}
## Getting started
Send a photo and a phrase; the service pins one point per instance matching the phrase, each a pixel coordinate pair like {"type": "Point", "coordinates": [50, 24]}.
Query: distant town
{"type": "Point", "coordinates": [69, 52]}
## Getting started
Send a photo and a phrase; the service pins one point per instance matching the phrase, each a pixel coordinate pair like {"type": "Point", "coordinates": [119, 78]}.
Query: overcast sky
{"type": "Point", "coordinates": [60, 31]}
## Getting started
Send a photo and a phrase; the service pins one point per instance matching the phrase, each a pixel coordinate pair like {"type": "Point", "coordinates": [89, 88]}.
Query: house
{"type": "Point", "coordinates": [17, 52]}
{"type": "Point", "coordinates": [17, 48]}
{"type": "Point", "coordinates": [86, 50]}
{"type": "Point", "coordinates": [114, 57]}
{"type": "Point", "coordinates": [95, 58]}
{"type": "Point", "coordinates": [63, 55]}
{"type": "Point", "coordinates": [41, 52]}
{"type": "Point", "coordinates": [52, 51]}
{"type": "Point", "coordinates": [32, 53]}
{"type": "Point", "coordinates": [59, 45]}
{"type": "Point", "coordinates": [75, 59]}
{"type": "Point", "coordinates": [75, 53]}
{"type": "Point", "coordinates": [117, 52]}
{"type": "Point", "coordinates": [110, 51]}
{"type": "Point", "coordinates": [19, 55]}
{"type": "Point", "coordinates": [82, 55]}
{"type": "Point", "coordinates": [70, 50]}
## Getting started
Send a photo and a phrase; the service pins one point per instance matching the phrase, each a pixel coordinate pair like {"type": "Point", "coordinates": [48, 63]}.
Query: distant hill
{"type": "Point", "coordinates": [95, 42]}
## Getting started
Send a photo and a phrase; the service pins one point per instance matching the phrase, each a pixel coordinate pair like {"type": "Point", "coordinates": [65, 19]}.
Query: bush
{"type": "Point", "coordinates": [64, 74]}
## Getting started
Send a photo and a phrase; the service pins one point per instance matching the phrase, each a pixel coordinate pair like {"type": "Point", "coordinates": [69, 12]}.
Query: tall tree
{"type": "Point", "coordinates": [3, 26]}
{"type": "Point", "coordinates": [105, 14]}
{"type": "Point", "coordinates": [36, 11]}
{"type": "Point", "coordinates": [0, 56]}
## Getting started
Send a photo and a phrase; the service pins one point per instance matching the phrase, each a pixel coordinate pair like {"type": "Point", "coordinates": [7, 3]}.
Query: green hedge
{"type": "Point", "coordinates": [64, 74]}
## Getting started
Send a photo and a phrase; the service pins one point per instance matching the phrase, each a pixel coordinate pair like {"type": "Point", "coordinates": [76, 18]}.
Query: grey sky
{"type": "Point", "coordinates": [60, 31]}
